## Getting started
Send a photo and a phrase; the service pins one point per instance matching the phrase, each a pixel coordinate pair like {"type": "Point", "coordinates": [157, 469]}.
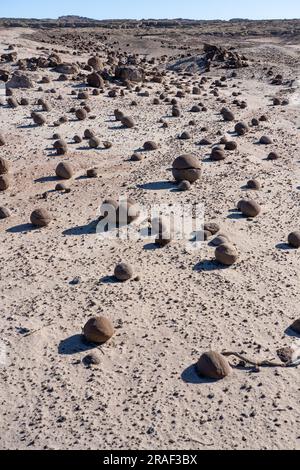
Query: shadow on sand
{"type": "Point", "coordinates": [290, 332]}
{"type": "Point", "coordinates": [88, 229]}
{"type": "Point", "coordinates": [22, 228]}
{"type": "Point", "coordinates": [157, 186]}
{"type": "Point", "coordinates": [191, 376]}
{"type": "Point", "coordinates": [74, 344]}
{"type": "Point", "coordinates": [209, 265]}
{"type": "Point", "coordinates": [284, 247]}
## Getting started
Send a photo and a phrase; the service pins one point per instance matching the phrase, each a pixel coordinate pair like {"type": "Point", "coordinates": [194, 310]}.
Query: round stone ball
{"type": "Point", "coordinates": [241, 128]}
{"type": "Point", "coordinates": [249, 207]}
{"type": "Point", "coordinates": [4, 166]}
{"type": "Point", "coordinates": [4, 213]}
{"type": "Point", "coordinates": [254, 184]}
{"type": "Point", "coordinates": [136, 157]}
{"type": "Point", "coordinates": [64, 170]}
{"type": "Point", "coordinates": [227, 115]}
{"type": "Point", "coordinates": [231, 145]}
{"type": "Point", "coordinates": [4, 182]}
{"type": "Point", "coordinates": [123, 272]}
{"type": "Point", "coordinates": [265, 140]}
{"type": "Point", "coordinates": [40, 218]}
{"type": "Point", "coordinates": [213, 365]}
{"type": "Point", "coordinates": [186, 168]}
{"type": "Point", "coordinates": [127, 122]}
{"type": "Point", "coordinates": [98, 330]}
{"type": "Point", "coordinates": [184, 186]}
{"type": "Point", "coordinates": [217, 154]}
{"type": "Point", "coordinates": [294, 239]}
{"type": "Point", "coordinates": [212, 227]}
{"type": "Point", "coordinates": [150, 145]}
{"type": "Point", "coordinates": [94, 142]}
{"type": "Point", "coordinates": [81, 114]}
{"type": "Point", "coordinates": [226, 254]}
{"type": "Point", "coordinates": [221, 239]}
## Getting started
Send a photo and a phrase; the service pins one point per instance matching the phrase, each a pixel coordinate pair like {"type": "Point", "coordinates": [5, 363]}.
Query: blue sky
{"type": "Point", "coordinates": [195, 9]}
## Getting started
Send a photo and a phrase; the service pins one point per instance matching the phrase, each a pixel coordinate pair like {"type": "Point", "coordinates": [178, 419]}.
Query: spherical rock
{"type": "Point", "coordinates": [120, 212]}
{"type": "Point", "coordinates": [213, 366]}
{"type": "Point", "coordinates": [40, 218]}
{"type": "Point", "coordinates": [64, 170]}
{"type": "Point", "coordinates": [273, 156]}
{"type": "Point", "coordinates": [4, 166]}
{"type": "Point", "coordinates": [92, 359]}
{"type": "Point", "coordinates": [81, 114]}
{"type": "Point", "coordinates": [94, 142]}
{"type": "Point", "coordinates": [61, 187]}
{"type": "Point", "coordinates": [4, 182]}
{"type": "Point", "coordinates": [241, 128]}
{"type": "Point", "coordinates": [60, 147]}
{"type": "Point", "coordinates": [38, 119]}
{"type": "Point", "coordinates": [226, 254]}
{"type": "Point", "coordinates": [83, 95]}
{"type": "Point", "coordinates": [107, 144]}
{"type": "Point", "coordinates": [249, 207]}
{"type": "Point", "coordinates": [254, 184]}
{"type": "Point", "coordinates": [127, 122]}
{"type": "Point", "coordinates": [150, 145]}
{"type": "Point", "coordinates": [205, 141]}
{"type": "Point", "coordinates": [176, 112]}
{"type": "Point", "coordinates": [4, 213]}
{"type": "Point", "coordinates": [96, 63]}
{"type": "Point", "coordinates": [221, 239]}
{"type": "Point", "coordinates": [98, 330]}
{"type": "Point", "coordinates": [186, 168]}
{"type": "Point", "coordinates": [118, 115]}
{"type": "Point", "coordinates": [77, 139]}
{"type": "Point", "coordinates": [294, 239]}
{"type": "Point", "coordinates": [217, 154]}
{"type": "Point", "coordinates": [88, 134]}
{"type": "Point", "coordinates": [227, 115]}
{"type": "Point", "coordinates": [265, 140]}
{"type": "Point", "coordinates": [12, 102]}
{"type": "Point", "coordinates": [136, 157]}
{"type": "Point", "coordinates": [185, 136]}
{"type": "Point", "coordinates": [92, 173]}
{"type": "Point", "coordinates": [212, 227]}
{"type": "Point", "coordinates": [231, 145]}
{"type": "Point", "coordinates": [184, 186]}
{"type": "Point", "coordinates": [123, 272]}
{"type": "Point", "coordinates": [95, 80]}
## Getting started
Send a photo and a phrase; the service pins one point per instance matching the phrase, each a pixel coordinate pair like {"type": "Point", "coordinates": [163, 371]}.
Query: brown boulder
{"type": "Point", "coordinates": [213, 365]}
{"type": "Point", "coordinates": [98, 330]}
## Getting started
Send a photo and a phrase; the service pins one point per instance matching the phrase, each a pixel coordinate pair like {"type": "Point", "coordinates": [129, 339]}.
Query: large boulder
{"type": "Point", "coordinates": [96, 63]}
{"type": "Point", "coordinates": [20, 80]}
{"type": "Point", "coordinates": [95, 80]}
{"type": "Point", "coordinates": [66, 69]}
{"type": "Point", "coordinates": [129, 73]}
{"type": "Point", "coordinates": [213, 366]}
{"type": "Point", "coordinates": [186, 168]}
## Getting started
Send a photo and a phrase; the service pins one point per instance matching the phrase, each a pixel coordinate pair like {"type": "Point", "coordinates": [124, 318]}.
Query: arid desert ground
{"type": "Point", "coordinates": [145, 391]}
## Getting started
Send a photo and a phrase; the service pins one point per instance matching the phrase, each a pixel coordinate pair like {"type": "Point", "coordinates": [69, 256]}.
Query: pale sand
{"type": "Point", "coordinates": [138, 398]}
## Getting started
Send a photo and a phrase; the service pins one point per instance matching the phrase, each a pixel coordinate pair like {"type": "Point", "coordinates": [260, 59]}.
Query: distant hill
{"type": "Point", "coordinates": [235, 26]}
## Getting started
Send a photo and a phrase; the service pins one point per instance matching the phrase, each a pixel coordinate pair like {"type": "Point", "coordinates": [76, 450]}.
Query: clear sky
{"type": "Point", "coordinates": [193, 9]}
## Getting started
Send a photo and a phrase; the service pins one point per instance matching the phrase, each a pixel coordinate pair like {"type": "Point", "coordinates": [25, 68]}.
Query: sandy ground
{"type": "Point", "coordinates": [145, 393]}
